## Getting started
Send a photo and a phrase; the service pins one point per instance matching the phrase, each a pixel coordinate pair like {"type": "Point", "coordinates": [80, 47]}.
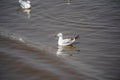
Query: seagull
{"type": "Point", "coordinates": [65, 42]}
{"type": "Point", "coordinates": [25, 4]}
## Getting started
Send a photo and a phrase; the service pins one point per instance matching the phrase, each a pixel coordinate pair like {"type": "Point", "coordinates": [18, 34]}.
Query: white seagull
{"type": "Point", "coordinates": [25, 4]}
{"type": "Point", "coordinates": [65, 42]}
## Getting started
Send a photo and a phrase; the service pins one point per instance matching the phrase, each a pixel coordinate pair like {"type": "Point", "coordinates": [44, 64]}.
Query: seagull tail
{"type": "Point", "coordinates": [76, 37]}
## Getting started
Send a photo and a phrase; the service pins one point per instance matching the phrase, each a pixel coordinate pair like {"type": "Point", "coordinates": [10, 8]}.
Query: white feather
{"type": "Point", "coordinates": [64, 42]}
{"type": "Point", "coordinates": [25, 4]}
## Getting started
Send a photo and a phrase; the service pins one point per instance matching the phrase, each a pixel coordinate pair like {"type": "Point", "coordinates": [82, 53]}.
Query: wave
{"type": "Point", "coordinates": [24, 40]}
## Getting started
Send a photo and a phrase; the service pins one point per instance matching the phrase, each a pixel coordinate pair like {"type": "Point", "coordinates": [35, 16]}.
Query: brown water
{"type": "Point", "coordinates": [29, 51]}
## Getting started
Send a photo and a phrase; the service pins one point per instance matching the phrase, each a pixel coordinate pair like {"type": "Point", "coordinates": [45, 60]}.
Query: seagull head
{"type": "Point", "coordinates": [59, 34]}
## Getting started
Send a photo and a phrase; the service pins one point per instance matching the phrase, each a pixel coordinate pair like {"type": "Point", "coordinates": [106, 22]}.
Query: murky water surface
{"type": "Point", "coordinates": [28, 46]}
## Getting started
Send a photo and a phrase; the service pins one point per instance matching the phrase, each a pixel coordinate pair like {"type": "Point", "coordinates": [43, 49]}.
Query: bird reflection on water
{"type": "Point", "coordinates": [68, 2]}
{"type": "Point", "coordinates": [27, 11]}
{"type": "Point", "coordinates": [67, 51]}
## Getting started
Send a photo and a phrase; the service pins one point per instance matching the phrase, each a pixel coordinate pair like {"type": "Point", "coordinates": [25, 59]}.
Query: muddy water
{"type": "Point", "coordinates": [29, 51]}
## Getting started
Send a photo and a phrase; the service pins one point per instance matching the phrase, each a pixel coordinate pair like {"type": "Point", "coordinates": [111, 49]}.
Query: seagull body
{"type": "Point", "coordinates": [25, 4]}
{"type": "Point", "coordinates": [65, 42]}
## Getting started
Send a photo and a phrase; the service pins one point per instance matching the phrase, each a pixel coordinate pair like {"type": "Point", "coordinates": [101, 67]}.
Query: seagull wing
{"type": "Point", "coordinates": [67, 41]}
